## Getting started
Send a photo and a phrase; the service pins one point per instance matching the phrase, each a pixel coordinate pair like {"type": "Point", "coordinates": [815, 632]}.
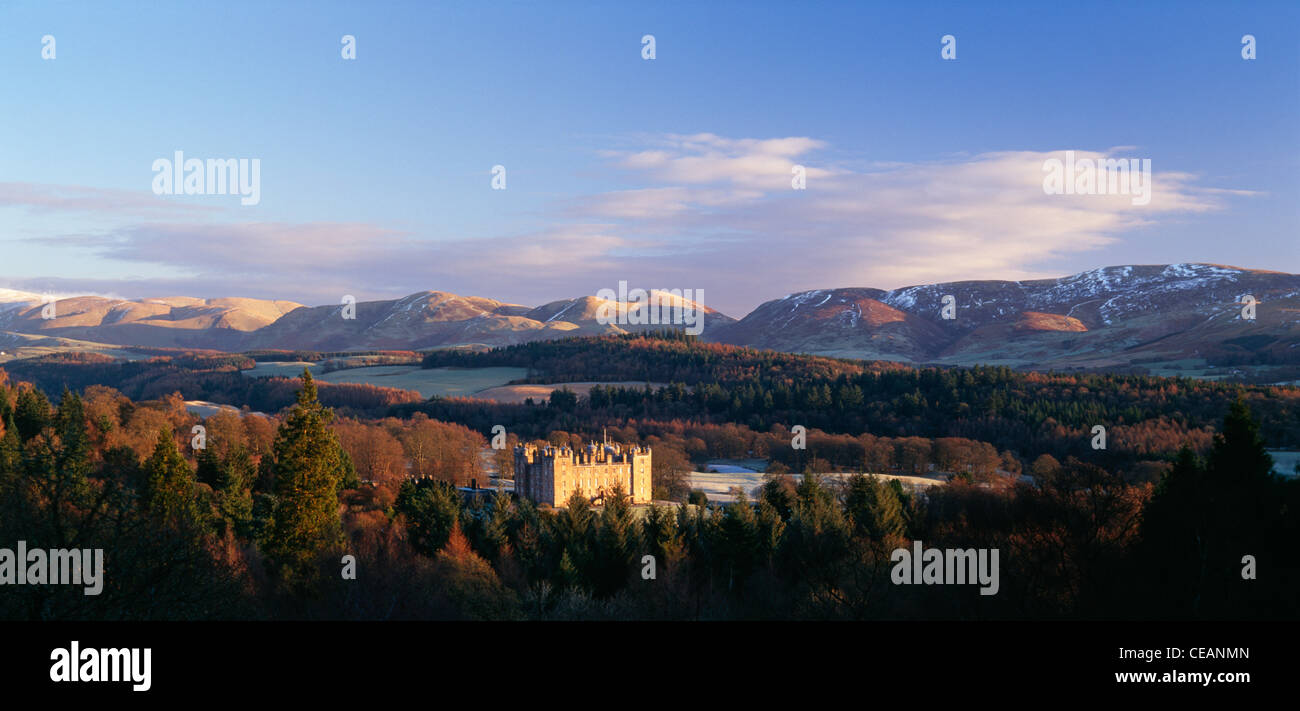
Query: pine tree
{"type": "Point", "coordinates": [617, 543]}
{"type": "Point", "coordinates": [208, 470]}
{"type": "Point", "coordinates": [11, 452]}
{"type": "Point", "coordinates": [574, 528]}
{"type": "Point", "coordinates": [309, 473]}
{"type": "Point", "coordinates": [234, 480]}
{"type": "Point", "coordinates": [1238, 455]}
{"type": "Point", "coordinates": [32, 413]}
{"type": "Point", "coordinates": [6, 407]}
{"type": "Point", "coordinates": [876, 509]}
{"type": "Point", "coordinates": [740, 540]}
{"type": "Point", "coordinates": [432, 509]}
{"type": "Point", "coordinates": [496, 530]}
{"type": "Point", "coordinates": [659, 531]}
{"type": "Point", "coordinates": [170, 495]}
{"type": "Point", "coordinates": [1204, 516]}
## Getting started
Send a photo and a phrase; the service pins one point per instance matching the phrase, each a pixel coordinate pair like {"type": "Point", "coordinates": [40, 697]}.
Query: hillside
{"type": "Point", "coordinates": [1107, 317]}
{"type": "Point", "coordinates": [1170, 319]}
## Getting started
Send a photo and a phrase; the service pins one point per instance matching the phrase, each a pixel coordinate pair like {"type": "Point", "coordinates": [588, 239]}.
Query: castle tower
{"type": "Point", "coordinates": [552, 474]}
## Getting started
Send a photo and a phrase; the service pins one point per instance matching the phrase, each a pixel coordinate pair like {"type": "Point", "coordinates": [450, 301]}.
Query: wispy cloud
{"type": "Point", "coordinates": [41, 198]}
{"type": "Point", "coordinates": [706, 212]}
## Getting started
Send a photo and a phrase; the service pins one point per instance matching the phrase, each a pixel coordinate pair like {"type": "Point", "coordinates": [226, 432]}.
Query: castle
{"type": "Point", "coordinates": [551, 474]}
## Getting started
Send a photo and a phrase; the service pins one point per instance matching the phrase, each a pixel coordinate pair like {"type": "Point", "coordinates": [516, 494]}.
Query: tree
{"type": "Point", "coordinates": [779, 492]}
{"type": "Point", "coordinates": [617, 544]}
{"type": "Point", "coordinates": [32, 413]}
{"type": "Point", "coordinates": [10, 447]}
{"type": "Point", "coordinates": [169, 486]}
{"type": "Point", "coordinates": [1044, 466]}
{"type": "Point", "coordinates": [659, 531]}
{"type": "Point", "coordinates": [876, 509]}
{"type": "Point", "coordinates": [497, 527]}
{"type": "Point", "coordinates": [574, 529]}
{"type": "Point", "coordinates": [670, 473]}
{"type": "Point", "coordinates": [815, 549]}
{"type": "Point", "coordinates": [564, 400]}
{"type": "Point", "coordinates": [470, 584]}
{"type": "Point", "coordinates": [740, 540]}
{"type": "Point", "coordinates": [376, 454]}
{"type": "Point", "coordinates": [431, 509]}
{"type": "Point", "coordinates": [1206, 515]}
{"type": "Point", "coordinates": [310, 470]}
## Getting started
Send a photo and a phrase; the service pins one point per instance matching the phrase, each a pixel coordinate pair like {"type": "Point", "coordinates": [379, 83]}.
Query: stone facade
{"type": "Point", "coordinates": [551, 474]}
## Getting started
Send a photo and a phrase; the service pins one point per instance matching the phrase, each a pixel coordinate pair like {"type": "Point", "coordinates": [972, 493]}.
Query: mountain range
{"type": "Point", "coordinates": [1107, 317]}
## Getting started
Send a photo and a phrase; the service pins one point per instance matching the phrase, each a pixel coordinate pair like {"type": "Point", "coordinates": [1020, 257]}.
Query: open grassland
{"type": "Point", "coordinates": [717, 486]}
{"type": "Point", "coordinates": [285, 369]}
{"type": "Point", "coordinates": [1285, 461]}
{"type": "Point", "coordinates": [14, 346]}
{"type": "Point", "coordinates": [482, 383]}
{"type": "Point", "coordinates": [539, 393]}
{"type": "Point", "coordinates": [443, 382]}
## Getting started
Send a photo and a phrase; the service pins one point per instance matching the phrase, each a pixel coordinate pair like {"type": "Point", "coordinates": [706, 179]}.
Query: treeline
{"type": "Point", "coordinates": [1034, 413]}
{"type": "Point", "coordinates": [1140, 450]}
{"type": "Point", "coordinates": [236, 525]}
{"type": "Point", "coordinates": [283, 356]}
{"type": "Point", "coordinates": [258, 524]}
{"type": "Point", "coordinates": [367, 361]}
{"type": "Point", "coordinates": [216, 379]}
{"type": "Point", "coordinates": [670, 356]}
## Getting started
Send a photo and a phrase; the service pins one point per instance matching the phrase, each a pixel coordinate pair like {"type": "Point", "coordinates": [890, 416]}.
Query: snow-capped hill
{"type": "Point", "coordinates": [1106, 316]}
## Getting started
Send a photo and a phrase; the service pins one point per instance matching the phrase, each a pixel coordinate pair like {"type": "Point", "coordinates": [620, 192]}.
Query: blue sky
{"type": "Point", "coordinates": [672, 172]}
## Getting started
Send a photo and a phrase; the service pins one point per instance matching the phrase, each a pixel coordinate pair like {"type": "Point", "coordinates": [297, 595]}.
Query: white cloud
{"type": "Point", "coordinates": [706, 212]}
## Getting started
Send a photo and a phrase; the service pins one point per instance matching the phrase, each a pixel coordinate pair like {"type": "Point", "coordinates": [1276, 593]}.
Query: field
{"type": "Point", "coordinates": [519, 393]}
{"type": "Point", "coordinates": [1284, 461]}
{"type": "Point", "coordinates": [287, 369]}
{"type": "Point", "coordinates": [717, 485]}
{"type": "Point", "coordinates": [443, 382]}
{"type": "Point", "coordinates": [206, 409]}
{"type": "Point", "coordinates": [483, 383]}
{"type": "Point", "coordinates": [21, 345]}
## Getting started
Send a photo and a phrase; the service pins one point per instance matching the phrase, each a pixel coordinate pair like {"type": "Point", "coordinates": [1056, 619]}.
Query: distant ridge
{"type": "Point", "coordinates": [1106, 317]}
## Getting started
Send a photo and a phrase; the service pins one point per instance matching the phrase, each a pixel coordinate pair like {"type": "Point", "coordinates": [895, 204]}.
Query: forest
{"type": "Point", "coordinates": [311, 512]}
{"type": "Point", "coordinates": [755, 393]}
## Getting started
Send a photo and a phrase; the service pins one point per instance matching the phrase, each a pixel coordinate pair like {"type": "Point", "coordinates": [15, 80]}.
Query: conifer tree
{"type": "Point", "coordinates": [496, 529]}
{"type": "Point", "coordinates": [10, 447]}
{"type": "Point", "coordinates": [876, 509]}
{"type": "Point", "coordinates": [574, 527]}
{"type": "Point", "coordinates": [309, 472]}
{"type": "Point", "coordinates": [432, 509]}
{"type": "Point", "coordinates": [771, 527]}
{"type": "Point", "coordinates": [617, 543]}
{"type": "Point", "coordinates": [659, 531]}
{"type": "Point", "coordinates": [740, 540]}
{"type": "Point", "coordinates": [11, 452]}
{"type": "Point", "coordinates": [6, 407]}
{"type": "Point", "coordinates": [170, 495]}
{"type": "Point", "coordinates": [32, 413]}
{"type": "Point", "coordinates": [234, 480]}
{"type": "Point", "coordinates": [1205, 516]}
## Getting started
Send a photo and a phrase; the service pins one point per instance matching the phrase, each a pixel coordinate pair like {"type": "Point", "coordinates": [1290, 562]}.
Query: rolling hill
{"type": "Point", "coordinates": [1101, 318]}
{"type": "Point", "coordinates": [1170, 316]}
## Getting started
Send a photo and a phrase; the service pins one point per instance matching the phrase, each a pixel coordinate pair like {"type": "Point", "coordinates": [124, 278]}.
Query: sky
{"type": "Point", "coordinates": [376, 173]}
